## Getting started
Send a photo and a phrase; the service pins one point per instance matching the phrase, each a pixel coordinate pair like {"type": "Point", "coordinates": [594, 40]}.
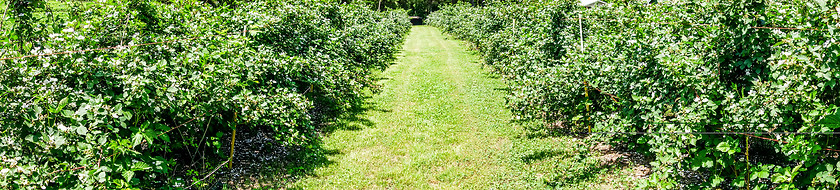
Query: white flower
{"type": "Point", "coordinates": [62, 127]}
{"type": "Point", "coordinates": [54, 35]}
{"type": "Point", "coordinates": [68, 30]}
{"type": "Point", "coordinates": [80, 37]}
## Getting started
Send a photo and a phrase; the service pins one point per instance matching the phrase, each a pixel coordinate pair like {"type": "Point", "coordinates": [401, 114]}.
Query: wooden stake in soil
{"type": "Point", "coordinates": [586, 93]}
{"type": "Point", "coordinates": [232, 141]}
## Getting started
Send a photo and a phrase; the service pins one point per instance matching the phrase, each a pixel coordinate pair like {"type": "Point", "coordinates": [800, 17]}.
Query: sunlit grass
{"type": "Point", "coordinates": [441, 123]}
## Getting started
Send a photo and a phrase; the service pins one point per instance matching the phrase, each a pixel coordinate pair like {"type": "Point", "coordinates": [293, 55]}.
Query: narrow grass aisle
{"type": "Point", "coordinates": [439, 123]}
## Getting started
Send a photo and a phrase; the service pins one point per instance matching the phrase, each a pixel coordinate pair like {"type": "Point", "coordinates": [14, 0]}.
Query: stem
{"type": "Point", "coordinates": [747, 153]}
{"type": "Point", "coordinates": [201, 141]}
{"type": "Point", "coordinates": [3, 19]}
{"type": "Point", "coordinates": [211, 173]}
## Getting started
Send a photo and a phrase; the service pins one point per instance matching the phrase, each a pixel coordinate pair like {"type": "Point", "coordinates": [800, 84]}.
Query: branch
{"type": "Point", "coordinates": [211, 173]}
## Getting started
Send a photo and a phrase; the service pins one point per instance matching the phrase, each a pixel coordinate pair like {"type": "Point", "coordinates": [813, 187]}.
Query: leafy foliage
{"type": "Point", "coordinates": [122, 117]}
{"type": "Point", "coordinates": [680, 66]}
{"type": "Point", "coordinates": [420, 8]}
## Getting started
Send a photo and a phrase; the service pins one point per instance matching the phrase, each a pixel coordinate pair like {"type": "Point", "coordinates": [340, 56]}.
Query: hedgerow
{"type": "Point", "coordinates": [124, 117]}
{"type": "Point", "coordinates": [687, 67]}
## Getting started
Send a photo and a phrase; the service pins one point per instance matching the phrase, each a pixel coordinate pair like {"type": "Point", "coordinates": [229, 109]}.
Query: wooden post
{"type": "Point", "coordinates": [586, 93]}
{"type": "Point", "coordinates": [232, 141]}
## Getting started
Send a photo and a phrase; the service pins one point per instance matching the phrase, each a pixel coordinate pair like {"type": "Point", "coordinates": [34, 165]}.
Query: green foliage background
{"type": "Point", "coordinates": [676, 66]}
{"type": "Point", "coordinates": [420, 8]}
{"type": "Point", "coordinates": [120, 118]}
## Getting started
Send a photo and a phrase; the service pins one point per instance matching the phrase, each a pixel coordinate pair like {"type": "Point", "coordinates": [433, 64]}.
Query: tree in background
{"type": "Point", "coordinates": [415, 7]}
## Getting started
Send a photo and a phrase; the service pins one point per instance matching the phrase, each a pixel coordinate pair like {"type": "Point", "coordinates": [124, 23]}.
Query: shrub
{"type": "Point", "coordinates": [676, 67]}
{"type": "Point", "coordinates": [122, 117]}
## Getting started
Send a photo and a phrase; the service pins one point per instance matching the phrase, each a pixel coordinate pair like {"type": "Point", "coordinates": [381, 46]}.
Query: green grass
{"type": "Point", "coordinates": [440, 123]}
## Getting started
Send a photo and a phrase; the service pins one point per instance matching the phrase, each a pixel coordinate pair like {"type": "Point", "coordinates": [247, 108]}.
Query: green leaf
{"type": "Point", "coordinates": [59, 140]}
{"type": "Point", "coordinates": [61, 104]}
{"type": "Point", "coordinates": [127, 115]}
{"type": "Point", "coordinates": [138, 166]}
{"type": "Point", "coordinates": [577, 117]}
{"type": "Point", "coordinates": [128, 174]}
{"type": "Point", "coordinates": [738, 182]}
{"type": "Point", "coordinates": [723, 147]}
{"type": "Point", "coordinates": [38, 110]}
{"type": "Point", "coordinates": [67, 113]}
{"type": "Point", "coordinates": [832, 120]}
{"type": "Point", "coordinates": [136, 140]}
{"type": "Point", "coordinates": [82, 130]}
{"type": "Point", "coordinates": [716, 181]}
{"type": "Point", "coordinates": [82, 111]}
{"type": "Point", "coordinates": [760, 174]}
{"type": "Point", "coordinates": [821, 3]}
{"type": "Point", "coordinates": [149, 136]}
{"type": "Point", "coordinates": [164, 137]}
{"type": "Point", "coordinates": [708, 163]}
{"type": "Point", "coordinates": [101, 177]}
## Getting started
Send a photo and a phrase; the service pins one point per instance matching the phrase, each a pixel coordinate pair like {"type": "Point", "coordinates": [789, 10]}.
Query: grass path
{"type": "Point", "coordinates": [440, 123]}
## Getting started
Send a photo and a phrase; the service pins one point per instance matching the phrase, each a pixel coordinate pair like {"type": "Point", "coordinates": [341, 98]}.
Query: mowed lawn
{"type": "Point", "coordinates": [440, 122]}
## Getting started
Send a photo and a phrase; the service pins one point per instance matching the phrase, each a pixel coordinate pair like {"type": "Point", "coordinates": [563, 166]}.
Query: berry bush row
{"type": "Point", "coordinates": [688, 67]}
{"type": "Point", "coordinates": [123, 117]}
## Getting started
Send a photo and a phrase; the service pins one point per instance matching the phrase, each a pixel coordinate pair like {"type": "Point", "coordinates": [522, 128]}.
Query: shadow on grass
{"type": "Point", "coordinates": [352, 119]}
{"type": "Point", "coordinates": [578, 175]}
{"type": "Point", "coordinates": [506, 89]}
{"type": "Point", "coordinates": [572, 164]}
{"type": "Point", "coordinates": [489, 74]}
{"type": "Point", "coordinates": [261, 161]}
{"type": "Point", "coordinates": [540, 155]}
{"type": "Point", "coordinates": [535, 129]}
